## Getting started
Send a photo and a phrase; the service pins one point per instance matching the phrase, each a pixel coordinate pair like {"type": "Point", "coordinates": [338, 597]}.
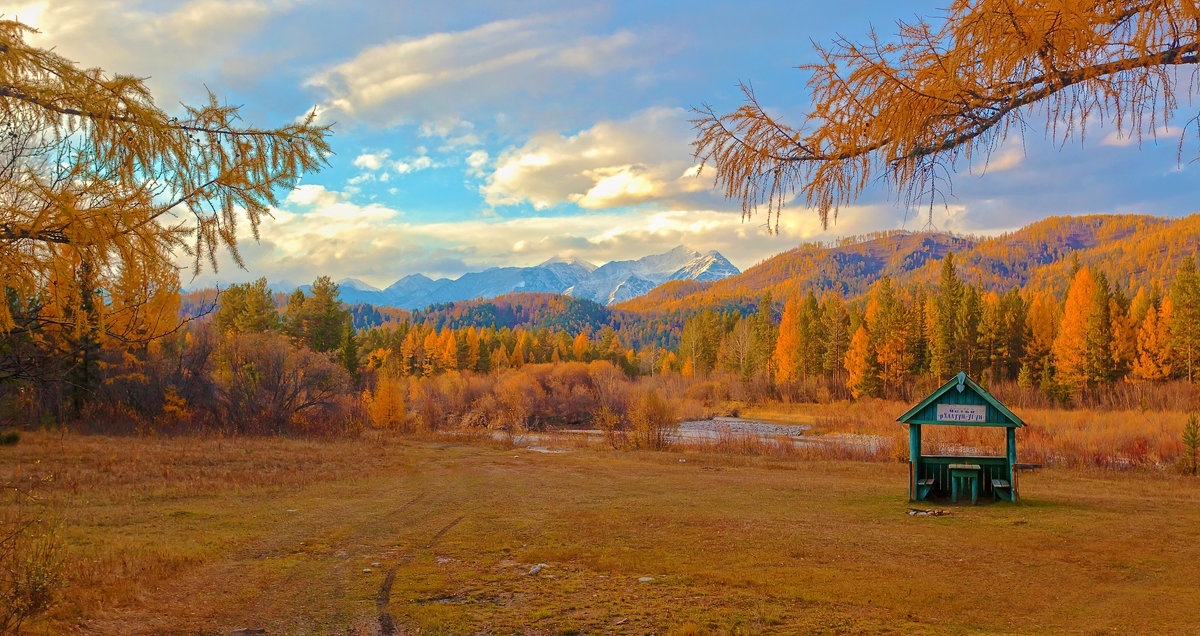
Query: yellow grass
{"type": "Point", "coordinates": [209, 536]}
{"type": "Point", "coordinates": [1075, 438]}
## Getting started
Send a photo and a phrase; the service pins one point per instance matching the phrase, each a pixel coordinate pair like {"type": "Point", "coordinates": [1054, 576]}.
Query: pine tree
{"type": "Point", "coordinates": [247, 308]}
{"type": "Point", "coordinates": [812, 338]}
{"type": "Point", "coordinates": [884, 319]}
{"type": "Point", "coordinates": [348, 352]}
{"type": "Point", "coordinates": [1185, 316]}
{"type": "Point", "coordinates": [323, 316]}
{"type": "Point", "coordinates": [835, 325]}
{"type": "Point", "coordinates": [944, 356]}
{"type": "Point", "coordinates": [1100, 359]}
{"type": "Point", "coordinates": [966, 332]}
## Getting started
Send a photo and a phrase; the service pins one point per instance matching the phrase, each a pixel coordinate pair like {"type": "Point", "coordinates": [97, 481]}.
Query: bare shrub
{"type": "Point", "coordinates": [609, 421]}
{"type": "Point", "coordinates": [263, 382]}
{"type": "Point", "coordinates": [30, 567]}
{"type": "Point", "coordinates": [652, 420]}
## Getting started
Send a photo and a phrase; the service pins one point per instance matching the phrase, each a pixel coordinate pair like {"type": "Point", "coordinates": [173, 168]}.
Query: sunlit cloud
{"type": "Point", "coordinates": [1129, 137]}
{"type": "Point", "coordinates": [372, 160]}
{"type": "Point", "coordinates": [323, 232]}
{"type": "Point", "coordinates": [612, 164]}
{"type": "Point", "coordinates": [423, 78]}
{"type": "Point", "coordinates": [170, 46]}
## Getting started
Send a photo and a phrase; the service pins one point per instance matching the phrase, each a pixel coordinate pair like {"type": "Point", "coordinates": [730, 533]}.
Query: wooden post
{"type": "Point", "coordinates": [1012, 460]}
{"type": "Point", "coordinates": [914, 459]}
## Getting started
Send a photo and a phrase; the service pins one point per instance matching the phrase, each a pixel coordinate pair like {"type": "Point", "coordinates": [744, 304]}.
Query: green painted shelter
{"type": "Point", "coordinates": [961, 402]}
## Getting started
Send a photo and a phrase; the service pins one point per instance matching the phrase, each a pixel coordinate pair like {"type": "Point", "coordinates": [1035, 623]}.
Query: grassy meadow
{"type": "Point", "coordinates": [381, 535]}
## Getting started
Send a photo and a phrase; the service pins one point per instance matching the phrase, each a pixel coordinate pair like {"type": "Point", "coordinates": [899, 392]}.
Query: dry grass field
{"type": "Point", "coordinates": [378, 535]}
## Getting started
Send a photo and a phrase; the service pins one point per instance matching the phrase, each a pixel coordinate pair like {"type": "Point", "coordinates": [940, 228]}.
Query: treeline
{"type": "Point", "coordinates": [1064, 349]}
{"type": "Point", "coordinates": [258, 362]}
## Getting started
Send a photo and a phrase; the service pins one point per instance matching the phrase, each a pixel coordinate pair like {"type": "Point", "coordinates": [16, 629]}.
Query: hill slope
{"type": "Point", "coordinates": [1133, 250]}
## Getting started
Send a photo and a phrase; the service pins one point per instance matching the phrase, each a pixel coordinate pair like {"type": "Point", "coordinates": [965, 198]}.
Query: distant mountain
{"type": "Point", "coordinates": [620, 281]}
{"type": "Point", "coordinates": [614, 282]}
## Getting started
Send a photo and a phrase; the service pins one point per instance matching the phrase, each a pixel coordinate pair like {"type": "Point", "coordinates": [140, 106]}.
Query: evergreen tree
{"type": "Point", "coordinates": [293, 316]}
{"type": "Point", "coordinates": [323, 316]}
{"type": "Point", "coordinates": [348, 352]}
{"type": "Point", "coordinates": [812, 337]}
{"type": "Point", "coordinates": [966, 332]}
{"type": "Point", "coordinates": [944, 356]}
{"type": "Point", "coordinates": [1100, 359]}
{"type": "Point", "coordinates": [884, 320]}
{"type": "Point", "coordinates": [763, 333]}
{"type": "Point", "coordinates": [247, 308]}
{"type": "Point", "coordinates": [1185, 316]}
{"type": "Point", "coordinates": [835, 326]}
{"type": "Point", "coordinates": [82, 339]}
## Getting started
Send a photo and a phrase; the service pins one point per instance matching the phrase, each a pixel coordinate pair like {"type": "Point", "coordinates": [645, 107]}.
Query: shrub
{"type": "Point", "coordinates": [609, 421]}
{"type": "Point", "coordinates": [9, 438]}
{"type": "Point", "coordinates": [1191, 445]}
{"type": "Point", "coordinates": [263, 383]}
{"type": "Point", "coordinates": [653, 421]}
{"type": "Point", "coordinates": [30, 568]}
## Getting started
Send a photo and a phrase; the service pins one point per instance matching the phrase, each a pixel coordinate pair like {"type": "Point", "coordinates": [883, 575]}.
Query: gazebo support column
{"type": "Point", "coordinates": [914, 455]}
{"type": "Point", "coordinates": [1011, 447]}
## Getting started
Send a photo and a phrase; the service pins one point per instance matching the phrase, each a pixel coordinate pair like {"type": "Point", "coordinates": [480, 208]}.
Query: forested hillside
{"type": "Point", "coordinates": [1134, 250]}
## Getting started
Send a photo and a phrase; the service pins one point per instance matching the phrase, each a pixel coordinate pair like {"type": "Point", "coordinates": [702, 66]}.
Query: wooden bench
{"type": "Point", "coordinates": [1001, 486]}
{"type": "Point", "coordinates": [924, 486]}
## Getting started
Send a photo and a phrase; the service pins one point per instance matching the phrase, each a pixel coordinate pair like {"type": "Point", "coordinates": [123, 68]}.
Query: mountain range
{"type": "Point", "coordinates": [614, 282]}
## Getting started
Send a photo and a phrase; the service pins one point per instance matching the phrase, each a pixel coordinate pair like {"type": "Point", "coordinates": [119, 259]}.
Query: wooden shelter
{"type": "Point", "coordinates": [961, 402]}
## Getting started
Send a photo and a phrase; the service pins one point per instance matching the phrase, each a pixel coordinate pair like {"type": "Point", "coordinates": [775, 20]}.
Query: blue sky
{"type": "Point", "coordinates": [476, 134]}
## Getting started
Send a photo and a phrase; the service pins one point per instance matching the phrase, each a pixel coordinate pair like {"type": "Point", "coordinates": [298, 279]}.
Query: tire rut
{"type": "Point", "coordinates": [387, 622]}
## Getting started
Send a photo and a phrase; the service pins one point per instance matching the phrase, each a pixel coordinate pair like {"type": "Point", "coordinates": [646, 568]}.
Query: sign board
{"type": "Point", "coordinates": [961, 413]}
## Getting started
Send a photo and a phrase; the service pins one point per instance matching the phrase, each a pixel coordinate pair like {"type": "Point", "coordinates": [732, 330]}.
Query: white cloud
{"type": "Point", "coordinates": [1129, 137]}
{"type": "Point", "coordinates": [413, 165]}
{"type": "Point", "coordinates": [1007, 157]}
{"type": "Point", "coordinates": [476, 161]}
{"type": "Point", "coordinates": [168, 46]}
{"type": "Point", "coordinates": [612, 164]}
{"type": "Point", "coordinates": [429, 77]}
{"type": "Point", "coordinates": [371, 160]}
{"type": "Point", "coordinates": [320, 231]}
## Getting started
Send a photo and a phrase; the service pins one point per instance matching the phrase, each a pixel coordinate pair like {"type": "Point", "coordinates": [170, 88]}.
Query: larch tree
{"type": "Point", "coordinates": [788, 345]}
{"type": "Point", "coordinates": [908, 111]}
{"type": "Point", "coordinates": [862, 370]}
{"type": "Point", "coordinates": [1153, 361]}
{"type": "Point", "coordinates": [1071, 344]}
{"type": "Point", "coordinates": [96, 180]}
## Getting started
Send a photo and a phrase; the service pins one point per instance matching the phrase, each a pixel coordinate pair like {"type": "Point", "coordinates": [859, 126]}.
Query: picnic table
{"type": "Point", "coordinates": [960, 473]}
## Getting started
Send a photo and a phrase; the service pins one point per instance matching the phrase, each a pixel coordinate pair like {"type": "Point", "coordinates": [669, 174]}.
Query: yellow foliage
{"type": "Point", "coordinates": [909, 109]}
{"type": "Point", "coordinates": [93, 174]}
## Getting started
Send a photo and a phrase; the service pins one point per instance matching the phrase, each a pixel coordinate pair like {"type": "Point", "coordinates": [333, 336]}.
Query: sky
{"type": "Point", "coordinates": [473, 134]}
